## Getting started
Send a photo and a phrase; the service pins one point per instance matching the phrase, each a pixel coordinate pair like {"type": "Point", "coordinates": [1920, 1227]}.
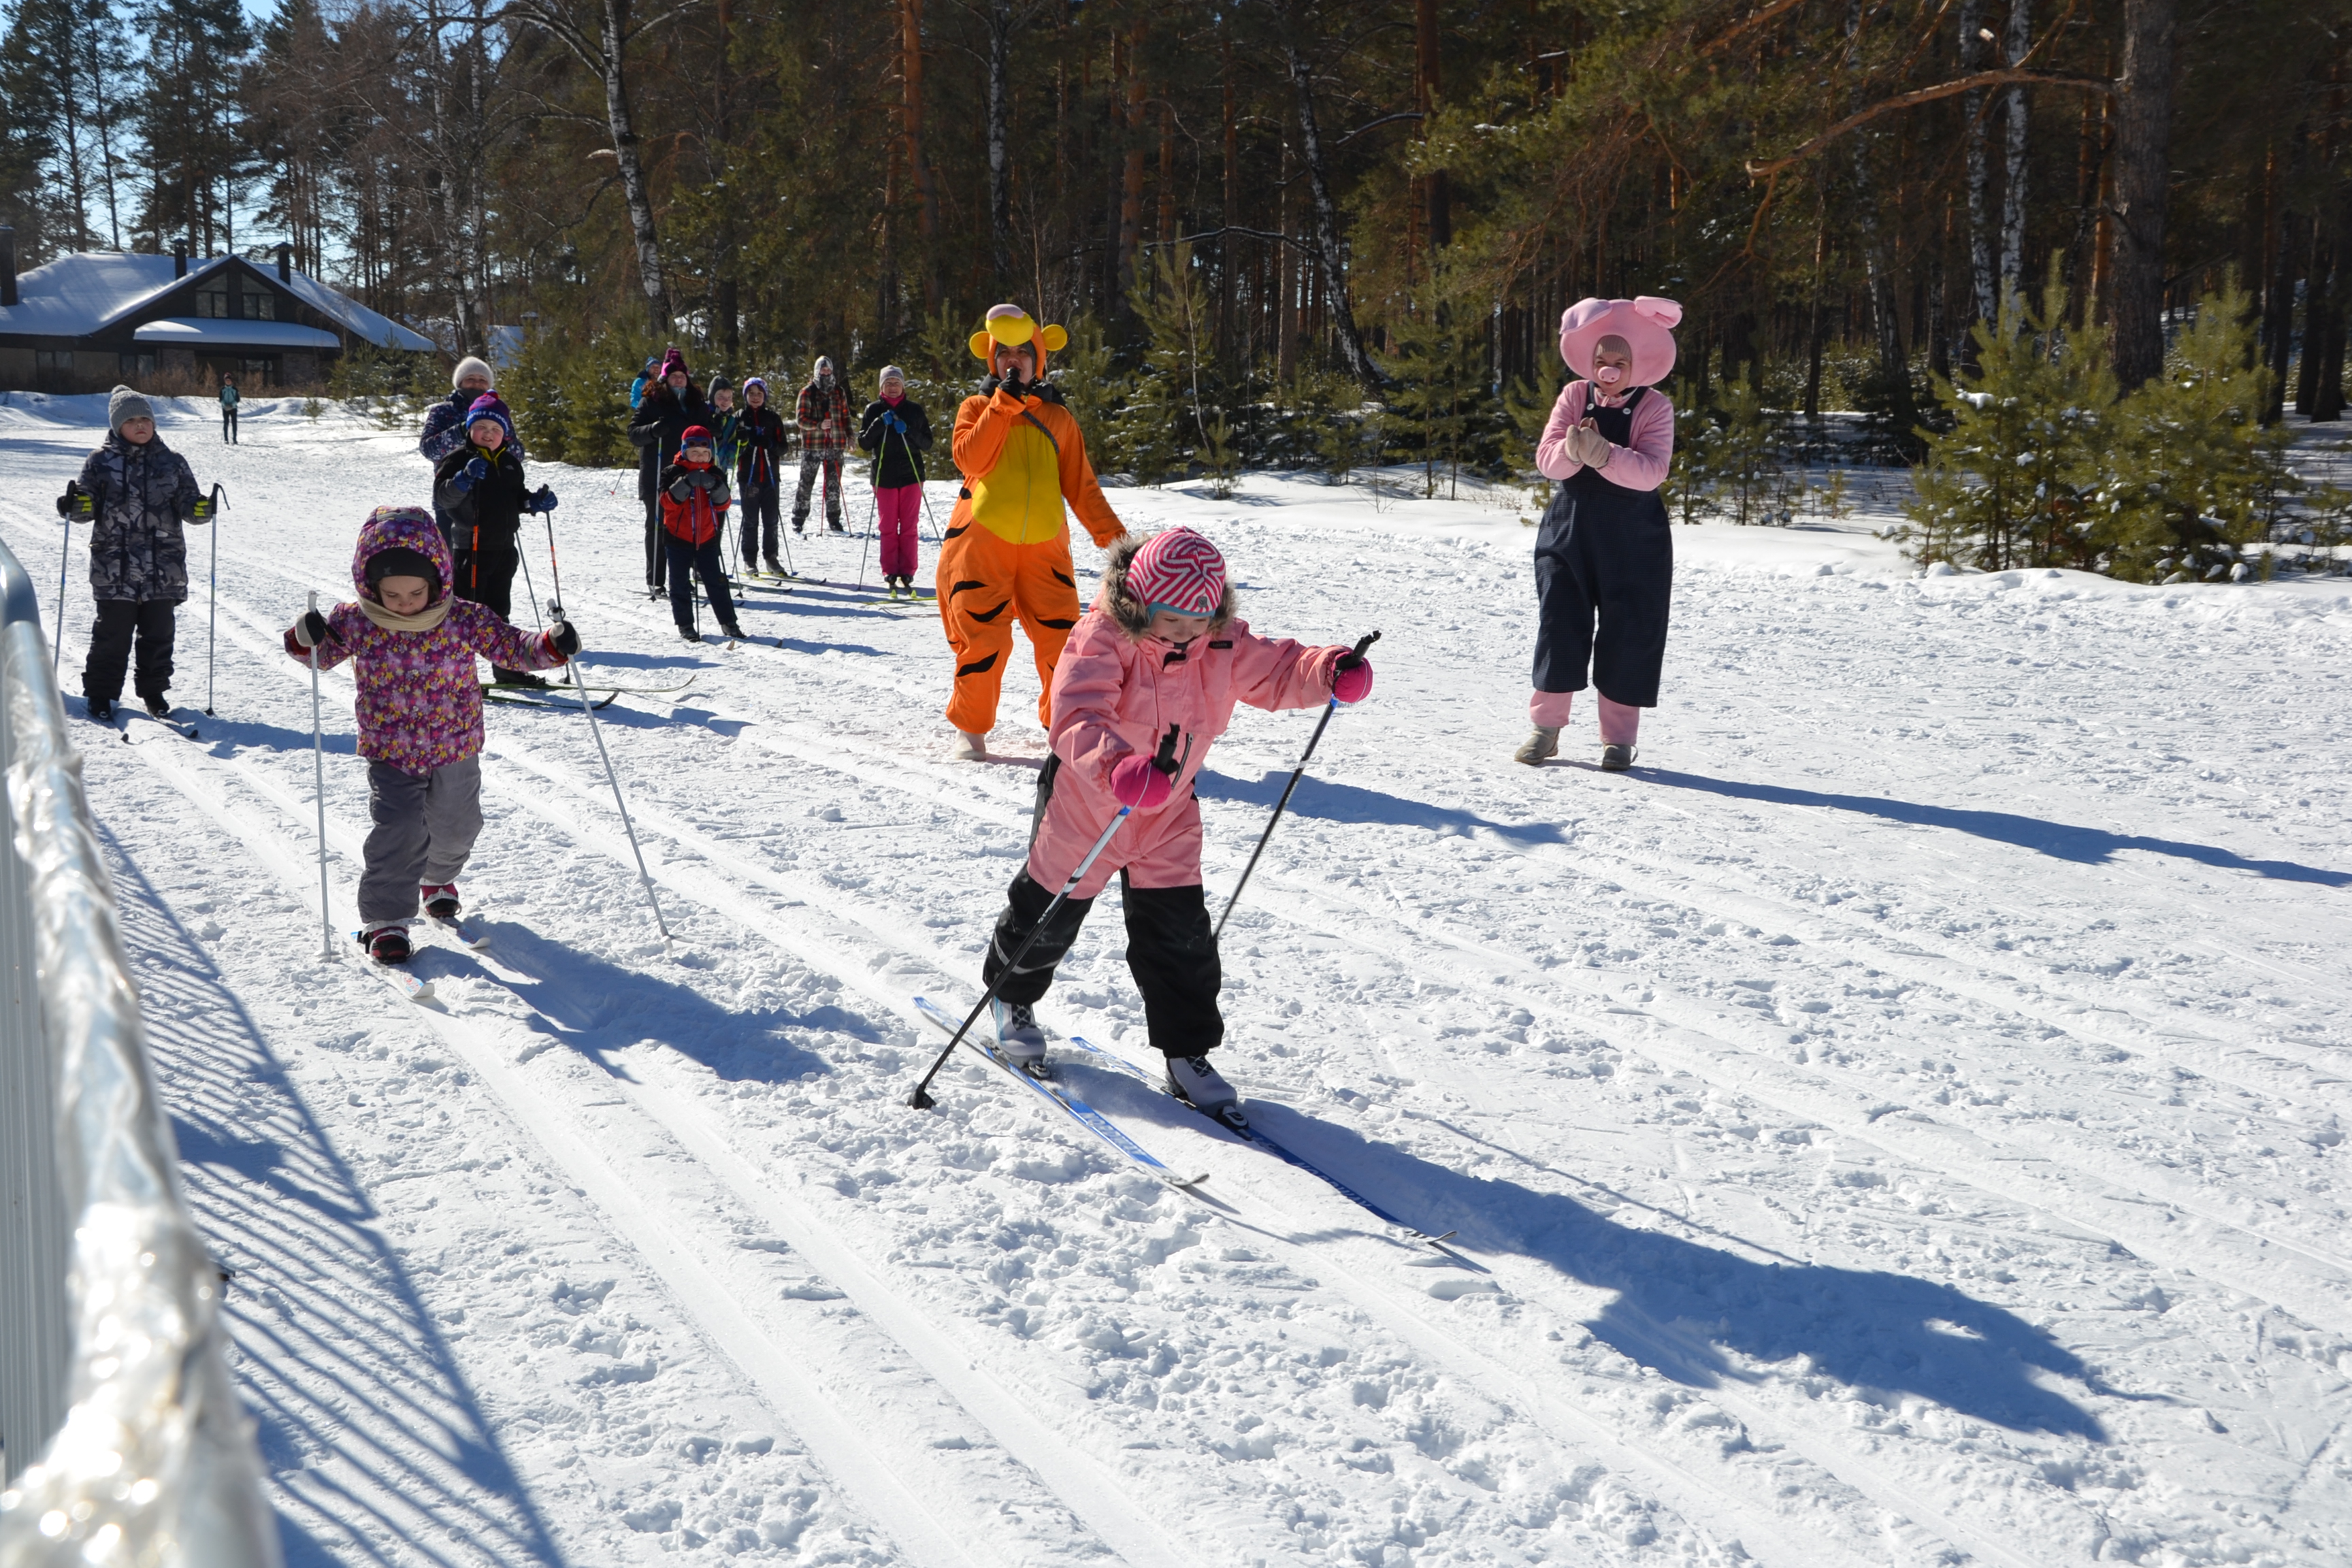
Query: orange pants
{"type": "Point", "coordinates": [986, 584]}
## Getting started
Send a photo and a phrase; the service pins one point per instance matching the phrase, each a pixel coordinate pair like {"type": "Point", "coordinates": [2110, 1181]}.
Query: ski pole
{"type": "Point", "coordinates": [554, 571]}
{"type": "Point", "coordinates": [530, 589]}
{"type": "Point", "coordinates": [921, 1099]}
{"type": "Point", "coordinates": [212, 599]}
{"type": "Point", "coordinates": [1312, 741]}
{"type": "Point", "coordinates": [319, 787]}
{"type": "Point", "coordinates": [555, 610]}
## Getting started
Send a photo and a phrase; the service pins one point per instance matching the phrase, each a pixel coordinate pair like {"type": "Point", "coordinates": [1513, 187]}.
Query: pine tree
{"type": "Point", "coordinates": [2194, 473]}
{"type": "Point", "coordinates": [1438, 382]}
{"type": "Point", "coordinates": [2033, 429]}
{"type": "Point", "coordinates": [187, 118]}
{"type": "Point", "coordinates": [1163, 424]}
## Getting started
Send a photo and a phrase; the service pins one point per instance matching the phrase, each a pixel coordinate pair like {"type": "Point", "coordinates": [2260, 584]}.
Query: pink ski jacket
{"type": "Point", "coordinates": [1114, 694]}
{"type": "Point", "coordinates": [420, 705]}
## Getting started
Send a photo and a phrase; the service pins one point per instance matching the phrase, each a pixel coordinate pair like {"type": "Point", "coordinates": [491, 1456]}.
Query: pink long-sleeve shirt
{"type": "Point", "coordinates": [1639, 466]}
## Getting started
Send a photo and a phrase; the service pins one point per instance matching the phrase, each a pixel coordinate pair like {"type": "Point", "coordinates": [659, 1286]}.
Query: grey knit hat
{"type": "Point", "coordinates": [123, 404]}
{"type": "Point", "coordinates": [890, 373]}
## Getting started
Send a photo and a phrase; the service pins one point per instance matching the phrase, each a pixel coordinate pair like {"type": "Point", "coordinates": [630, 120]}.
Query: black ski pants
{"type": "Point", "coordinates": [685, 562]}
{"type": "Point", "coordinates": [759, 504]}
{"type": "Point", "coordinates": [154, 621]}
{"type": "Point", "coordinates": [1172, 949]}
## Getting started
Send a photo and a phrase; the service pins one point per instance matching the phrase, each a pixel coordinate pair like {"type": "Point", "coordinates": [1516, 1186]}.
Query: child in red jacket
{"type": "Point", "coordinates": [694, 502]}
{"type": "Point", "coordinates": [1160, 647]}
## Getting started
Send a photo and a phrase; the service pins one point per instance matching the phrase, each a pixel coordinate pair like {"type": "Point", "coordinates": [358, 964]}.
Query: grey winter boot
{"type": "Point", "coordinates": [1017, 1033]}
{"type": "Point", "coordinates": [1544, 742]}
{"type": "Point", "coordinates": [1616, 759]}
{"type": "Point", "coordinates": [1198, 1084]}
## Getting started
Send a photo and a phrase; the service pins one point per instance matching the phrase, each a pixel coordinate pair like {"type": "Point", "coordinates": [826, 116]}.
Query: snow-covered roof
{"type": "Point", "coordinates": [213, 333]}
{"type": "Point", "coordinates": [91, 291]}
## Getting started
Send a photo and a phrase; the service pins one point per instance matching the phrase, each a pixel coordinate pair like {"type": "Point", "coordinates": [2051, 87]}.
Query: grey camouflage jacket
{"type": "Point", "coordinates": [144, 494]}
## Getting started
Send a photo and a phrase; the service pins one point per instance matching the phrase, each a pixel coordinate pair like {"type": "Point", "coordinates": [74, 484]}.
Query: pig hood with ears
{"type": "Point", "coordinates": [1645, 323]}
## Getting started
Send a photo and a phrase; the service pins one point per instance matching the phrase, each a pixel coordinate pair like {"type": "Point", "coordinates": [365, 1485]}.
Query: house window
{"type": "Point", "coordinates": [53, 358]}
{"type": "Point", "coordinates": [257, 373]}
{"type": "Point", "coordinates": [136, 367]}
{"type": "Point", "coordinates": [213, 303]}
{"type": "Point", "coordinates": [259, 306]}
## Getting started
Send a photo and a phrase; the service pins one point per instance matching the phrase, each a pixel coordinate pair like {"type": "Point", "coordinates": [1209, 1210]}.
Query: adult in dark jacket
{"type": "Point", "coordinates": [481, 490]}
{"type": "Point", "coordinates": [895, 428]}
{"type": "Point", "coordinates": [759, 482]}
{"type": "Point", "coordinates": [663, 417]}
{"type": "Point", "coordinates": [445, 422]}
{"type": "Point", "coordinates": [136, 493]}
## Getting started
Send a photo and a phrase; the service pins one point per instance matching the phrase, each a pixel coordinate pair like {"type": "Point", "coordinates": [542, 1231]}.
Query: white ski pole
{"type": "Point", "coordinates": [64, 560]}
{"type": "Point", "coordinates": [319, 787]}
{"type": "Point", "coordinates": [555, 612]}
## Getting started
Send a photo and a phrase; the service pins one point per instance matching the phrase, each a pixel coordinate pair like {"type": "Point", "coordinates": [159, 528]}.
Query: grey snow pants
{"type": "Point", "coordinates": [426, 825]}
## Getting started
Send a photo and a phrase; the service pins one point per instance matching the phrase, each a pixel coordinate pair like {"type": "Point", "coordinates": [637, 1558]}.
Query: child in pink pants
{"type": "Point", "coordinates": [898, 432]}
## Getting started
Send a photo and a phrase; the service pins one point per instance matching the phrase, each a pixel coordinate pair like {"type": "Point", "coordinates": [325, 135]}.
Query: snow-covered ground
{"type": "Point", "coordinates": [1900, 1123]}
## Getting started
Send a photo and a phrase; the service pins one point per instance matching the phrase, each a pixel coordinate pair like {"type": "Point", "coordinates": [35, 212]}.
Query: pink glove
{"type": "Point", "coordinates": [1138, 784]}
{"type": "Point", "coordinates": [1352, 683]}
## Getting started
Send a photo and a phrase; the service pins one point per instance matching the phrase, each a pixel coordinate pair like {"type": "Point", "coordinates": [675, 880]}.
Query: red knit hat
{"type": "Point", "coordinates": [1177, 570]}
{"type": "Point", "coordinates": [696, 436]}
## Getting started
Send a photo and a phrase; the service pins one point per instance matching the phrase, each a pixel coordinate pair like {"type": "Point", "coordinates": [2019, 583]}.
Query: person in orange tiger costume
{"type": "Point", "coordinates": [1007, 552]}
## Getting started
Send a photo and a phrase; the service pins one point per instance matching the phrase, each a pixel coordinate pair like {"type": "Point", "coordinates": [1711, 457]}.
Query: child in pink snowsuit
{"type": "Point", "coordinates": [420, 713]}
{"type": "Point", "coordinates": [1159, 652]}
{"type": "Point", "coordinates": [1604, 553]}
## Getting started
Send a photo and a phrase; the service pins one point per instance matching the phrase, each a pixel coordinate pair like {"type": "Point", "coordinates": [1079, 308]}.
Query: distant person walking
{"type": "Point", "coordinates": [823, 418]}
{"type": "Point", "coordinates": [1605, 553]}
{"type": "Point", "coordinates": [228, 409]}
{"type": "Point", "coordinates": [896, 429]}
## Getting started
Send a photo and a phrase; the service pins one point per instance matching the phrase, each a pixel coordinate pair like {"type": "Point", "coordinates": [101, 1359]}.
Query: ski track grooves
{"type": "Point", "coordinates": [871, 1475]}
{"type": "Point", "coordinates": [1703, 1052]}
{"type": "Point", "coordinates": [1693, 1497]}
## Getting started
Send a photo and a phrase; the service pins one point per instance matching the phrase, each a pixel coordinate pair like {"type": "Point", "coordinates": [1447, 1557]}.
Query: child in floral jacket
{"type": "Point", "coordinates": [420, 713]}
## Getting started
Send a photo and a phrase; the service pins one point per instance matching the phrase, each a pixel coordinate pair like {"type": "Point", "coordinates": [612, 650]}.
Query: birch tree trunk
{"type": "Point", "coordinates": [631, 164]}
{"type": "Point", "coordinates": [1979, 176]}
{"type": "Point", "coordinates": [2018, 43]}
{"type": "Point", "coordinates": [1352, 357]}
{"type": "Point", "coordinates": [2142, 161]}
{"type": "Point", "coordinates": [999, 173]}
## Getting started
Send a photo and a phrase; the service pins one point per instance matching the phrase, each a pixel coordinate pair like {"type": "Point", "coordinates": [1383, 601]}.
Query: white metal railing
{"type": "Point", "coordinates": [120, 1433]}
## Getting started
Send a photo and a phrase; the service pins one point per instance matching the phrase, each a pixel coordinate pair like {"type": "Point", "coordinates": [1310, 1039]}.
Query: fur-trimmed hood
{"type": "Point", "coordinates": [1116, 601]}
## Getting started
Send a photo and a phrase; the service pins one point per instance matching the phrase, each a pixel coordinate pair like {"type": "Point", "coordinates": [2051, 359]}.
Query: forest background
{"type": "Point", "coordinates": [2073, 258]}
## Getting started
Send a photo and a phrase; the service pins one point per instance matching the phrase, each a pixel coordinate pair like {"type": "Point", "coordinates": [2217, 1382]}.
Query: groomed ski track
{"type": "Point", "coordinates": [1663, 1445]}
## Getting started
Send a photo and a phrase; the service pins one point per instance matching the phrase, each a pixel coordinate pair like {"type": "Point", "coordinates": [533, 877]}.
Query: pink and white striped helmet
{"type": "Point", "coordinates": [1177, 570]}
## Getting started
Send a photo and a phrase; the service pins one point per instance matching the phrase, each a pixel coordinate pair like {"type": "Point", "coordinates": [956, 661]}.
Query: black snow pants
{"type": "Point", "coordinates": [1172, 949]}
{"type": "Point", "coordinates": [155, 622]}
{"type": "Point", "coordinates": [1604, 572]}
{"type": "Point", "coordinates": [758, 503]}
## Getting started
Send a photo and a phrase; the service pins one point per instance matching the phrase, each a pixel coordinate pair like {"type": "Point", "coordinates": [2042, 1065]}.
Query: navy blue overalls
{"type": "Point", "coordinates": [1603, 554]}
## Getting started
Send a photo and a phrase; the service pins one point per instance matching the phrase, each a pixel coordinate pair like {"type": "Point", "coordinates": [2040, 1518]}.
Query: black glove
{"type": "Point", "coordinates": [680, 488]}
{"type": "Point", "coordinates": [77, 503]}
{"type": "Point", "coordinates": [718, 493]}
{"type": "Point", "coordinates": [202, 512]}
{"type": "Point", "coordinates": [702, 479]}
{"type": "Point", "coordinates": [564, 638]}
{"type": "Point", "coordinates": [311, 629]}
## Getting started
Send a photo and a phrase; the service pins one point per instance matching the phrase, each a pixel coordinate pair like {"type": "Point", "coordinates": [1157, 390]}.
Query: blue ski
{"type": "Point", "coordinates": [1068, 1104]}
{"type": "Point", "coordinates": [1258, 1139]}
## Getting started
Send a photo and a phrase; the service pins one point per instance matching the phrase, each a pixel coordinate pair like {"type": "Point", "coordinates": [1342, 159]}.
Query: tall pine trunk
{"type": "Point", "coordinates": [927, 196]}
{"type": "Point", "coordinates": [1980, 179]}
{"type": "Point", "coordinates": [2142, 158]}
{"type": "Point", "coordinates": [2012, 179]}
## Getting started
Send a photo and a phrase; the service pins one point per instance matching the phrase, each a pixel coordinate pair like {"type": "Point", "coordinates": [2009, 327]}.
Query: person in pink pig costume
{"type": "Point", "coordinates": [1604, 553]}
{"type": "Point", "coordinates": [1147, 684]}
{"type": "Point", "coordinates": [420, 713]}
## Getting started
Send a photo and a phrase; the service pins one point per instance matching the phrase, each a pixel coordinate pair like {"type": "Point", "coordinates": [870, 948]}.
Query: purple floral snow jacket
{"type": "Point", "coordinates": [420, 706]}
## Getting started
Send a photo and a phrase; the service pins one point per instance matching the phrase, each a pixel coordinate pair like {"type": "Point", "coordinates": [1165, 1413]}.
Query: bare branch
{"type": "Point", "coordinates": [1765, 168]}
